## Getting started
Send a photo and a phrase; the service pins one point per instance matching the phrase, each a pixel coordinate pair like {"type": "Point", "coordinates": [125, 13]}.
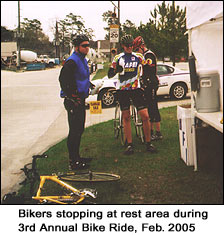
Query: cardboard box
{"type": "Point", "coordinates": [185, 134]}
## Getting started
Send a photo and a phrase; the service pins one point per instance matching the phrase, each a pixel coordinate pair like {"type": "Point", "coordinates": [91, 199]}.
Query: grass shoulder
{"type": "Point", "coordinates": [102, 72]}
{"type": "Point", "coordinates": [161, 178]}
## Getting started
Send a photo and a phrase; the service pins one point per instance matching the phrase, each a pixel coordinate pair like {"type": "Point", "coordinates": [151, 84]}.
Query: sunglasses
{"type": "Point", "coordinates": [85, 45]}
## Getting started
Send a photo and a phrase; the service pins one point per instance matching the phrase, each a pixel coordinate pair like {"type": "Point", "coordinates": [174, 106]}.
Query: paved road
{"type": "Point", "coordinates": [29, 105]}
{"type": "Point", "coordinates": [34, 119]}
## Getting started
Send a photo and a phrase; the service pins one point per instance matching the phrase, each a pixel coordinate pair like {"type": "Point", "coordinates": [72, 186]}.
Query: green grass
{"type": "Point", "coordinates": [102, 72]}
{"type": "Point", "coordinates": [161, 178]}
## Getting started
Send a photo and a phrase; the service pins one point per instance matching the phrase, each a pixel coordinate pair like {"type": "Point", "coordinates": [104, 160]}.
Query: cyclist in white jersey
{"type": "Point", "coordinates": [129, 66]}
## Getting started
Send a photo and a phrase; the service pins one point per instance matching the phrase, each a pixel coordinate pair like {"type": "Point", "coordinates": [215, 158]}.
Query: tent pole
{"type": "Point", "coordinates": [193, 123]}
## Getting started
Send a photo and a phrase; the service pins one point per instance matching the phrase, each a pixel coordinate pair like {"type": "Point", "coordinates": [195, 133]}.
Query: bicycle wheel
{"type": "Point", "coordinates": [141, 134]}
{"type": "Point", "coordinates": [89, 177]}
{"type": "Point", "coordinates": [134, 119]}
{"type": "Point", "coordinates": [122, 134]}
{"type": "Point", "coordinates": [138, 125]}
{"type": "Point", "coordinates": [117, 121]}
{"type": "Point", "coordinates": [118, 125]}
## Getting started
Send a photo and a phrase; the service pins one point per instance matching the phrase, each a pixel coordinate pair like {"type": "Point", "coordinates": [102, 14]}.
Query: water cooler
{"type": "Point", "coordinates": [208, 97]}
{"type": "Point", "coordinates": [207, 85]}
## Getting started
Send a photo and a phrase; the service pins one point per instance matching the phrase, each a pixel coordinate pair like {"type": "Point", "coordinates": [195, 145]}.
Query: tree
{"type": "Point", "coordinates": [31, 25]}
{"type": "Point", "coordinates": [70, 26]}
{"type": "Point", "coordinates": [64, 37]}
{"type": "Point", "coordinates": [6, 35]}
{"type": "Point", "coordinates": [34, 39]}
{"type": "Point", "coordinates": [107, 17]}
{"type": "Point", "coordinates": [164, 33]}
{"type": "Point", "coordinates": [128, 28]}
{"type": "Point", "coordinates": [160, 29]}
{"type": "Point", "coordinates": [170, 23]}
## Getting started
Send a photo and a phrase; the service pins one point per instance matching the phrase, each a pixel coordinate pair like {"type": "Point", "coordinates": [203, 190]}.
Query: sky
{"type": "Point", "coordinates": [47, 12]}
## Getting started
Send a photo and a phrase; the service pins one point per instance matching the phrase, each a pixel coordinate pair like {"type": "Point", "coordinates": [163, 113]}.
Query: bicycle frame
{"type": "Point", "coordinates": [76, 196]}
{"type": "Point", "coordinates": [55, 199]}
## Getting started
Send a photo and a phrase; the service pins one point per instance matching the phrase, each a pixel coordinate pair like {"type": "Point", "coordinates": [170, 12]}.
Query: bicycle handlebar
{"type": "Point", "coordinates": [31, 174]}
{"type": "Point", "coordinates": [40, 156]}
{"type": "Point", "coordinates": [26, 170]}
{"type": "Point", "coordinates": [35, 157]}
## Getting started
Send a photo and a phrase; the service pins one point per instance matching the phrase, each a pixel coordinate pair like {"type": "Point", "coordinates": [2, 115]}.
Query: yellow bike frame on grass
{"type": "Point", "coordinates": [57, 199]}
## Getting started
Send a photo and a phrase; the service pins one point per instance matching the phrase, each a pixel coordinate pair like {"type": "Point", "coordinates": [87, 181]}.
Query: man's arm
{"type": "Point", "coordinates": [115, 67]}
{"type": "Point", "coordinates": [66, 78]}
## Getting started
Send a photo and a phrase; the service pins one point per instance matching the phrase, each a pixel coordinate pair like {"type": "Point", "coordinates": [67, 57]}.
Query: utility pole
{"type": "Point", "coordinates": [173, 32]}
{"type": "Point", "coordinates": [57, 48]}
{"type": "Point", "coordinates": [119, 12]}
{"type": "Point", "coordinates": [114, 30]}
{"type": "Point", "coordinates": [18, 39]}
{"type": "Point", "coordinates": [119, 24]}
{"type": "Point", "coordinates": [118, 9]}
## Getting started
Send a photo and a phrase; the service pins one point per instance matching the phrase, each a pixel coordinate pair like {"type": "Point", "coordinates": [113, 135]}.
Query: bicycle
{"type": "Point", "coordinates": [137, 123]}
{"type": "Point", "coordinates": [118, 124]}
{"type": "Point", "coordinates": [70, 194]}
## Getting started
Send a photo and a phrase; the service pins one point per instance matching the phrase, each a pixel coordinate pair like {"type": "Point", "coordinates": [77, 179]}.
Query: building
{"type": "Point", "coordinates": [103, 49]}
{"type": "Point", "coordinates": [7, 49]}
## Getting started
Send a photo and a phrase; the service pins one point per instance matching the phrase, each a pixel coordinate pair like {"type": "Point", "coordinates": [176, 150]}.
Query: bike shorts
{"type": "Point", "coordinates": [137, 97]}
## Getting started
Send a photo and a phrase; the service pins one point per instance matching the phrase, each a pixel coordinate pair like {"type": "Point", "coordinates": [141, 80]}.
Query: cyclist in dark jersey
{"type": "Point", "coordinates": [129, 67]}
{"type": "Point", "coordinates": [150, 84]}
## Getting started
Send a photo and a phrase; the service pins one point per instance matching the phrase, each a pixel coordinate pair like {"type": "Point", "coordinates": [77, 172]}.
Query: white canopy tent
{"type": "Point", "coordinates": [205, 35]}
{"type": "Point", "coordinates": [205, 25]}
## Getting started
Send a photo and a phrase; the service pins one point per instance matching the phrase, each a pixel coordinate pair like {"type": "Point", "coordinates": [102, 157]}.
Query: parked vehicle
{"type": "Point", "coordinates": [167, 59]}
{"type": "Point", "coordinates": [28, 56]}
{"type": "Point", "coordinates": [173, 82]}
{"type": "Point", "coordinates": [48, 61]}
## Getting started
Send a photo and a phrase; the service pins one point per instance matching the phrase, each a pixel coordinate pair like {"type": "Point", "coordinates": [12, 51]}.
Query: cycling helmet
{"type": "Point", "coordinates": [79, 39]}
{"type": "Point", "coordinates": [127, 39]}
{"type": "Point", "coordinates": [138, 42]}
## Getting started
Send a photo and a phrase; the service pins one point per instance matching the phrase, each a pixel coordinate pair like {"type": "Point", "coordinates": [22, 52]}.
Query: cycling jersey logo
{"type": "Point", "coordinates": [148, 61]}
{"type": "Point", "coordinates": [129, 69]}
{"type": "Point", "coordinates": [133, 58]}
{"type": "Point", "coordinates": [131, 64]}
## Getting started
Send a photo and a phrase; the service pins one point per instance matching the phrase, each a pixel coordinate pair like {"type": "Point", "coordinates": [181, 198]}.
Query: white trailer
{"type": "Point", "coordinates": [205, 31]}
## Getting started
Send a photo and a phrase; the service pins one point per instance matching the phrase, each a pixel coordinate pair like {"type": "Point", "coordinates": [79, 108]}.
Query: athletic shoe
{"type": "Point", "coordinates": [129, 150]}
{"type": "Point", "coordinates": [78, 166]}
{"type": "Point", "coordinates": [150, 148]}
{"type": "Point", "coordinates": [153, 137]}
{"type": "Point", "coordinates": [157, 136]}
